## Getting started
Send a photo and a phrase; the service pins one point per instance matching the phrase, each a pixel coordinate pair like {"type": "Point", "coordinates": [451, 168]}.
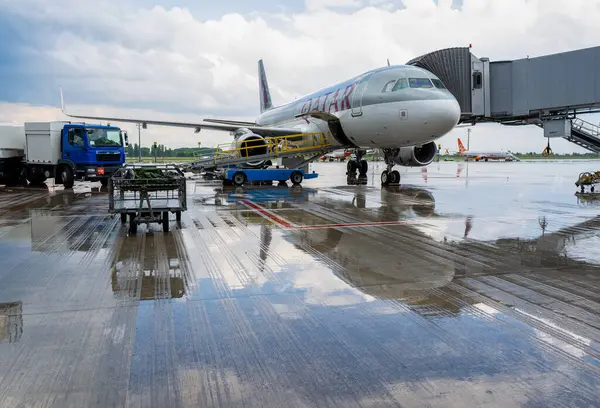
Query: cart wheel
{"type": "Point", "coordinates": [132, 224]}
{"type": "Point", "coordinates": [123, 218]}
{"type": "Point", "coordinates": [165, 221]}
{"type": "Point", "coordinates": [238, 178]}
{"type": "Point", "coordinates": [178, 218]}
{"type": "Point", "coordinates": [296, 178]}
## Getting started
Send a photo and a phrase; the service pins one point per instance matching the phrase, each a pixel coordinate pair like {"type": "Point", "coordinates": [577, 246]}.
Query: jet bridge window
{"type": "Point", "coordinates": [420, 83]}
{"type": "Point", "coordinates": [437, 83]}
{"type": "Point", "coordinates": [477, 79]}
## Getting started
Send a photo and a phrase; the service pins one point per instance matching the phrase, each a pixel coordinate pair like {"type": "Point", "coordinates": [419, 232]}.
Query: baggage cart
{"type": "Point", "coordinates": [146, 194]}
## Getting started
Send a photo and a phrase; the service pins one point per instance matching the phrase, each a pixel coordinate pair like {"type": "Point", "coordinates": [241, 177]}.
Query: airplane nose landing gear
{"type": "Point", "coordinates": [389, 177]}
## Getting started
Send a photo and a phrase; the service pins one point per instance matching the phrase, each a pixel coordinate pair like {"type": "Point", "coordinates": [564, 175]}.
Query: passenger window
{"type": "Point", "coordinates": [388, 86]}
{"type": "Point", "coordinates": [401, 84]}
{"type": "Point", "coordinates": [76, 137]}
{"type": "Point", "coordinates": [420, 83]}
{"type": "Point", "coordinates": [438, 84]}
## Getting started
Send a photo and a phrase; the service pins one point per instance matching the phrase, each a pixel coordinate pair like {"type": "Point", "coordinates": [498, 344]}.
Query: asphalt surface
{"type": "Point", "coordinates": [469, 285]}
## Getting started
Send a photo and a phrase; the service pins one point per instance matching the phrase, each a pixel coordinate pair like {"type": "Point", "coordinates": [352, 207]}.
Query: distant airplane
{"type": "Point", "coordinates": [485, 156]}
{"type": "Point", "coordinates": [401, 110]}
{"type": "Point", "coordinates": [340, 155]}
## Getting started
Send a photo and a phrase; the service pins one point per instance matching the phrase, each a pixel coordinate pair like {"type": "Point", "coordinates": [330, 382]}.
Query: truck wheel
{"type": "Point", "coordinates": [104, 182]}
{"type": "Point", "coordinates": [68, 179]}
{"type": "Point", "coordinates": [165, 221]}
{"type": "Point", "coordinates": [17, 178]}
{"type": "Point", "coordinates": [239, 178]}
{"type": "Point", "coordinates": [296, 178]}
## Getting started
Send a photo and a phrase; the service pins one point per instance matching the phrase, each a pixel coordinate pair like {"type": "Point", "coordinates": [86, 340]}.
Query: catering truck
{"type": "Point", "coordinates": [65, 151]}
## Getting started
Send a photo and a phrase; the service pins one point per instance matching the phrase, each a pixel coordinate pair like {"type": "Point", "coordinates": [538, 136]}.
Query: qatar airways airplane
{"type": "Point", "coordinates": [401, 110]}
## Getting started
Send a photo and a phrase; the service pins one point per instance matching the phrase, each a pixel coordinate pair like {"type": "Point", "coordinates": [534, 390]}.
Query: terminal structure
{"type": "Point", "coordinates": [548, 91]}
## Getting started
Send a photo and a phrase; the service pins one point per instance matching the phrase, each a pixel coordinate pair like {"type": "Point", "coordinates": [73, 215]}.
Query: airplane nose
{"type": "Point", "coordinates": [447, 116]}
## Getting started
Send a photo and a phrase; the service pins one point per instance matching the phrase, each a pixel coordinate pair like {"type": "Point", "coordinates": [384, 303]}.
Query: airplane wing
{"type": "Point", "coordinates": [216, 124]}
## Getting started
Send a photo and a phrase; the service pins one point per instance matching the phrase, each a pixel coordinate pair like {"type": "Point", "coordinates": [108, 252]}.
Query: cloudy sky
{"type": "Point", "coordinates": [184, 59]}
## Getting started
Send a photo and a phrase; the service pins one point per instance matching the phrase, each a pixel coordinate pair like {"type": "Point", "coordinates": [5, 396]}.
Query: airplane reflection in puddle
{"type": "Point", "coordinates": [415, 265]}
{"type": "Point", "coordinates": [383, 273]}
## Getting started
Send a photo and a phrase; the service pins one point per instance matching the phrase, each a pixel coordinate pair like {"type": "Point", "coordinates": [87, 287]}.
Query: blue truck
{"type": "Point", "coordinates": [65, 151]}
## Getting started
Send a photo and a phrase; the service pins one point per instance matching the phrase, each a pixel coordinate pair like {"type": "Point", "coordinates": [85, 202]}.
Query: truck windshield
{"type": "Point", "coordinates": [104, 137]}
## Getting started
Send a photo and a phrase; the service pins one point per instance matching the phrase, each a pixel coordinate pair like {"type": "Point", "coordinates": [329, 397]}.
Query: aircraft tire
{"type": "Point", "coordinates": [351, 167]}
{"type": "Point", "coordinates": [384, 178]}
{"type": "Point", "coordinates": [364, 167]}
{"type": "Point", "coordinates": [394, 178]}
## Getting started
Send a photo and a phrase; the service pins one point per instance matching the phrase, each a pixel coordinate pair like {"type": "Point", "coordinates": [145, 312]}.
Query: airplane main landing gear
{"type": "Point", "coordinates": [389, 176]}
{"type": "Point", "coordinates": [359, 164]}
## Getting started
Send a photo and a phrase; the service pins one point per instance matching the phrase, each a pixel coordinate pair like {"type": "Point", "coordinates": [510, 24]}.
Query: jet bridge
{"type": "Point", "coordinates": [548, 91]}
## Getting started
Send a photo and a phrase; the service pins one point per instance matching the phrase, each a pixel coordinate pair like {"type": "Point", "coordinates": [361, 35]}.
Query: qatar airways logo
{"type": "Point", "coordinates": [329, 102]}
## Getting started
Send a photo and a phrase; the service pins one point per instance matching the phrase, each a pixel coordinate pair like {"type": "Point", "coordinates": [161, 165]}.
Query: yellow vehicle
{"type": "Point", "coordinates": [588, 179]}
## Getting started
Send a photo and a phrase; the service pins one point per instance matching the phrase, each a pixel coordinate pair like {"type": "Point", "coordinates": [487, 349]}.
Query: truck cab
{"type": "Point", "coordinates": [93, 152]}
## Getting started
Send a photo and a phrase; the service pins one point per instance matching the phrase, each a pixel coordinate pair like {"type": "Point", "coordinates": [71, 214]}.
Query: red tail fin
{"type": "Point", "coordinates": [461, 147]}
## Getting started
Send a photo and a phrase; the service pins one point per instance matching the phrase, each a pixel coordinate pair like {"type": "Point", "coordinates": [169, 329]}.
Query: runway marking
{"type": "Point", "coordinates": [268, 214]}
{"type": "Point", "coordinates": [289, 225]}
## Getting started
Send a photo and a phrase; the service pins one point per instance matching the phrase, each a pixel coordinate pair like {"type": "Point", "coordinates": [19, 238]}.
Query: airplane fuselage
{"type": "Point", "coordinates": [490, 155]}
{"type": "Point", "coordinates": [389, 107]}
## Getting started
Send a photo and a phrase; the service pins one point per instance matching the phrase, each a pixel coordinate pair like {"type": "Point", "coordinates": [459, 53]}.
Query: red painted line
{"type": "Point", "coordinates": [267, 214]}
{"type": "Point", "coordinates": [352, 224]}
{"type": "Point", "coordinates": [285, 224]}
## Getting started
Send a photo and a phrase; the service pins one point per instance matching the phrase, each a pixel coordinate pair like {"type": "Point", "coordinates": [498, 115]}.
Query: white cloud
{"type": "Point", "coordinates": [173, 60]}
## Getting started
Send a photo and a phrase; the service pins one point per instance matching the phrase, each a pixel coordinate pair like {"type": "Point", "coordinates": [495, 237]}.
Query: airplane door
{"type": "Point", "coordinates": [357, 95]}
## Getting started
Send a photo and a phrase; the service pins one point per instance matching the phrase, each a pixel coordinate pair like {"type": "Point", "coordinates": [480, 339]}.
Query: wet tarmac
{"type": "Point", "coordinates": [470, 285]}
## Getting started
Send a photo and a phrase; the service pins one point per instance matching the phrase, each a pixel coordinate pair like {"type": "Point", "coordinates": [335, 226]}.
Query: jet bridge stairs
{"type": "Point", "coordinates": [585, 134]}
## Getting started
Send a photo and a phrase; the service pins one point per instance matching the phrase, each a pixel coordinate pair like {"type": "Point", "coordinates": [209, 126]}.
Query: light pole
{"type": "Point", "coordinates": [139, 126]}
{"type": "Point", "coordinates": [468, 138]}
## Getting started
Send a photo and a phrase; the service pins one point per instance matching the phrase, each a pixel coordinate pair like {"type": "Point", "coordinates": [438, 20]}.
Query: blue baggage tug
{"type": "Point", "coordinates": [238, 176]}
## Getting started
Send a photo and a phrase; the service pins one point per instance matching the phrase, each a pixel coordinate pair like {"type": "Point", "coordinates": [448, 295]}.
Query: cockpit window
{"type": "Point", "coordinates": [438, 84]}
{"type": "Point", "coordinates": [420, 83]}
{"type": "Point", "coordinates": [401, 84]}
{"type": "Point", "coordinates": [388, 86]}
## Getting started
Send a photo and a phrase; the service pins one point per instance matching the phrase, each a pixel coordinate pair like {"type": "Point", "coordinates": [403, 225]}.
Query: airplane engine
{"type": "Point", "coordinates": [256, 145]}
{"type": "Point", "coordinates": [416, 156]}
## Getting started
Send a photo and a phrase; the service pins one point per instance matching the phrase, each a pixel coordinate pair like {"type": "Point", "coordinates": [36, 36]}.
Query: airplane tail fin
{"type": "Point", "coordinates": [263, 87]}
{"type": "Point", "coordinates": [461, 147]}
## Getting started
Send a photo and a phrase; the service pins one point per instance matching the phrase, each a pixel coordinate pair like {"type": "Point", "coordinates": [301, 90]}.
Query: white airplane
{"type": "Point", "coordinates": [401, 110]}
{"type": "Point", "coordinates": [340, 155]}
{"type": "Point", "coordinates": [485, 156]}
